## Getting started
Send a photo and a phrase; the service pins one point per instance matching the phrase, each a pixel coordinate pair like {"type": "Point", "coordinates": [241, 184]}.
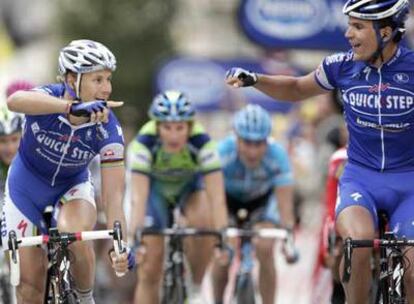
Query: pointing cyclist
{"type": "Point", "coordinates": [67, 124]}
{"type": "Point", "coordinates": [174, 162]}
{"type": "Point", "coordinates": [259, 181]}
{"type": "Point", "coordinates": [376, 79]}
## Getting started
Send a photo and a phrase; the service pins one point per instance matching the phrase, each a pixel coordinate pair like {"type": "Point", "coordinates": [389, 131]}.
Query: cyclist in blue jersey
{"type": "Point", "coordinates": [259, 182]}
{"type": "Point", "coordinates": [376, 79]}
{"type": "Point", "coordinates": [66, 125]}
{"type": "Point", "coordinates": [174, 163]}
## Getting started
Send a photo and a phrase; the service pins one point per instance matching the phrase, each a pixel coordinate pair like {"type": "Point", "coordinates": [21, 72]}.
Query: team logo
{"type": "Point", "coordinates": [401, 78]}
{"type": "Point", "coordinates": [88, 136]}
{"type": "Point", "coordinates": [384, 100]}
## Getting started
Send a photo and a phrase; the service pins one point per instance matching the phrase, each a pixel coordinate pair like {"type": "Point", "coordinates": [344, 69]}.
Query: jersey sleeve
{"type": "Point", "coordinates": [208, 156]}
{"type": "Point", "coordinates": [139, 157]}
{"type": "Point", "coordinates": [328, 71]}
{"type": "Point", "coordinates": [55, 90]}
{"type": "Point", "coordinates": [111, 142]}
{"type": "Point", "coordinates": [284, 176]}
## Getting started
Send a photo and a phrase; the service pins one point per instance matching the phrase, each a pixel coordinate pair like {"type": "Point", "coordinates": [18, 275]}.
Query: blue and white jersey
{"type": "Point", "coordinates": [378, 108]}
{"type": "Point", "coordinates": [246, 184]}
{"type": "Point", "coordinates": [56, 151]}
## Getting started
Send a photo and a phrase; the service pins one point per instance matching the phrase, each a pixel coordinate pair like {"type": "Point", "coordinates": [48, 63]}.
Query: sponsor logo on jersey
{"type": "Point", "coordinates": [401, 78]}
{"type": "Point", "coordinates": [391, 101]}
{"type": "Point", "coordinates": [339, 57]}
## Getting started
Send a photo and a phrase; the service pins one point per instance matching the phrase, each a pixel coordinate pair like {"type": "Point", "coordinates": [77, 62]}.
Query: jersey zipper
{"type": "Point", "coordinates": [65, 151]}
{"type": "Point", "coordinates": [380, 119]}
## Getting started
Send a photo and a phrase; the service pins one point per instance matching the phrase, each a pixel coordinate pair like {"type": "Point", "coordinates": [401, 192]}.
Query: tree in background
{"type": "Point", "coordinates": [138, 32]}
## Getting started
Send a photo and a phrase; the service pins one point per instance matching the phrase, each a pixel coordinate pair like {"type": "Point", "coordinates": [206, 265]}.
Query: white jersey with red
{"type": "Point", "coordinates": [322, 276]}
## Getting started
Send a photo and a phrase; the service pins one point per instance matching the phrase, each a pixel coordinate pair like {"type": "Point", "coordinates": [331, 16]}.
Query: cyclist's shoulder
{"type": "Point", "coordinates": [339, 58]}
{"type": "Point", "coordinates": [199, 138]}
{"type": "Point", "coordinates": [275, 149]}
{"type": "Point", "coordinates": [403, 60]}
{"type": "Point", "coordinates": [227, 144]}
{"type": "Point", "coordinates": [53, 89]}
{"type": "Point", "coordinates": [146, 136]}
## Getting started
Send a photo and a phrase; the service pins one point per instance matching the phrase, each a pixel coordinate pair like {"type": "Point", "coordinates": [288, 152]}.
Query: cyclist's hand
{"type": "Point", "coordinates": [224, 256]}
{"type": "Point", "coordinates": [96, 110]}
{"type": "Point", "coordinates": [124, 262]}
{"type": "Point", "coordinates": [239, 77]}
{"type": "Point", "coordinates": [289, 249]}
{"type": "Point", "coordinates": [224, 252]}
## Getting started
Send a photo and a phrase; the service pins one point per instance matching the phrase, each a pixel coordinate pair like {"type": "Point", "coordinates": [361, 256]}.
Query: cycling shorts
{"type": "Point", "coordinates": [391, 192]}
{"type": "Point", "coordinates": [159, 213]}
{"type": "Point", "coordinates": [27, 197]}
{"type": "Point", "coordinates": [261, 209]}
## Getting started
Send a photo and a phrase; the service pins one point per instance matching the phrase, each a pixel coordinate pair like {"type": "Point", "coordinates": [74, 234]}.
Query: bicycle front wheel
{"type": "Point", "coordinates": [174, 294]}
{"type": "Point", "coordinates": [71, 298]}
{"type": "Point", "coordinates": [244, 292]}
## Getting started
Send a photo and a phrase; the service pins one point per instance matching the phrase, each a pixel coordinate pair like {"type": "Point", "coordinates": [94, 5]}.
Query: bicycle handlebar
{"type": "Point", "coordinates": [350, 244]}
{"type": "Point", "coordinates": [228, 232]}
{"type": "Point", "coordinates": [66, 238]}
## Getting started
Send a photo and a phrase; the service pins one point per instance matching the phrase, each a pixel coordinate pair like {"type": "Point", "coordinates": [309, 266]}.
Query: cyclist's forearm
{"type": "Point", "coordinates": [139, 195]}
{"type": "Point", "coordinates": [216, 197]}
{"type": "Point", "coordinates": [113, 187]}
{"type": "Point", "coordinates": [138, 209]}
{"type": "Point", "coordinates": [289, 88]}
{"type": "Point", "coordinates": [35, 103]}
{"type": "Point", "coordinates": [285, 202]}
{"type": "Point", "coordinates": [114, 210]}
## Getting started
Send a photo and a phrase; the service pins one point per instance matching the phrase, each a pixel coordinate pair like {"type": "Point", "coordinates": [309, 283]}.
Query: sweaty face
{"type": "Point", "coordinates": [96, 85]}
{"type": "Point", "coordinates": [8, 147]}
{"type": "Point", "coordinates": [251, 152]}
{"type": "Point", "coordinates": [361, 35]}
{"type": "Point", "coordinates": [174, 135]}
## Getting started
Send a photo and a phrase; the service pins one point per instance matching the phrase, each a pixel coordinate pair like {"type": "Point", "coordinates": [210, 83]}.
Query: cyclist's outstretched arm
{"type": "Point", "coordinates": [113, 186]}
{"type": "Point", "coordinates": [281, 87]}
{"type": "Point", "coordinates": [36, 103]}
{"type": "Point", "coordinates": [140, 185]}
{"type": "Point", "coordinates": [214, 182]}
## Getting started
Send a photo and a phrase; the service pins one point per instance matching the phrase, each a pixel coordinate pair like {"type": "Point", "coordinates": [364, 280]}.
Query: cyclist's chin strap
{"type": "Point", "coordinates": [75, 94]}
{"type": "Point", "coordinates": [382, 44]}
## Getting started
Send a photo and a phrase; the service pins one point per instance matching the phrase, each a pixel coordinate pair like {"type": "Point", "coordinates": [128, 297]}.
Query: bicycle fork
{"type": "Point", "coordinates": [244, 289]}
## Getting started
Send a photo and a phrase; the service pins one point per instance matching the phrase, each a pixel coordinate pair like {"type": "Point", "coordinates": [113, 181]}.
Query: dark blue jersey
{"type": "Point", "coordinates": [378, 108]}
{"type": "Point", "coordinates": [56, 151]}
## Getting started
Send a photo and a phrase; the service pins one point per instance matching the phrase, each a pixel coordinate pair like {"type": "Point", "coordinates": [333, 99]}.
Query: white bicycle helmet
{"type": "Point", "coordinates": [10, 122]}
{"type": "Point", "coordinates": [84, 56]}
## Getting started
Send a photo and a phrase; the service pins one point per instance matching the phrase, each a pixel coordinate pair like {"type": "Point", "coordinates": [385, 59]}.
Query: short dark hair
{"type": "Point", "coordinates": [391, 23]}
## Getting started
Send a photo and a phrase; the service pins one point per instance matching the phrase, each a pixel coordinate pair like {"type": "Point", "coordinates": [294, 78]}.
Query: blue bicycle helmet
{"type": "Point", "coordinates": [377, 9]}
{"type": "Point", "coordinates": [171, 106]}
{"type": "Point", "coordinates": [252, 123]}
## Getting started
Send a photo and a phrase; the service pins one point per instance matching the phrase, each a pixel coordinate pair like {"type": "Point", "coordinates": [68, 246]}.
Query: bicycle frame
{"type": "Point", "coordinates": [59, 281]}
{"type": "Point", "coordinates": [174, 286]}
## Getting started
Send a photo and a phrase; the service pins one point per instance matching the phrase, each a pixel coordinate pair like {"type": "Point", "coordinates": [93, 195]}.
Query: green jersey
{"type": "Point", "coordinates": [171, 172]}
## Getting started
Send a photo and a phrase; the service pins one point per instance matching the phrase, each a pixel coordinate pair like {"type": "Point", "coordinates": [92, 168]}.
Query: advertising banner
{"type": "Point", "coordinates": [202, 80]}
{"type": "Point", "coordinates": [304, 24]}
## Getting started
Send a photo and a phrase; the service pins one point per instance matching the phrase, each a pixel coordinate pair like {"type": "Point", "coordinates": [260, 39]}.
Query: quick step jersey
{"type": "Point", "coordinates": [55, 150]}
{"type": "Point", "coordinates": [378, 108]}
